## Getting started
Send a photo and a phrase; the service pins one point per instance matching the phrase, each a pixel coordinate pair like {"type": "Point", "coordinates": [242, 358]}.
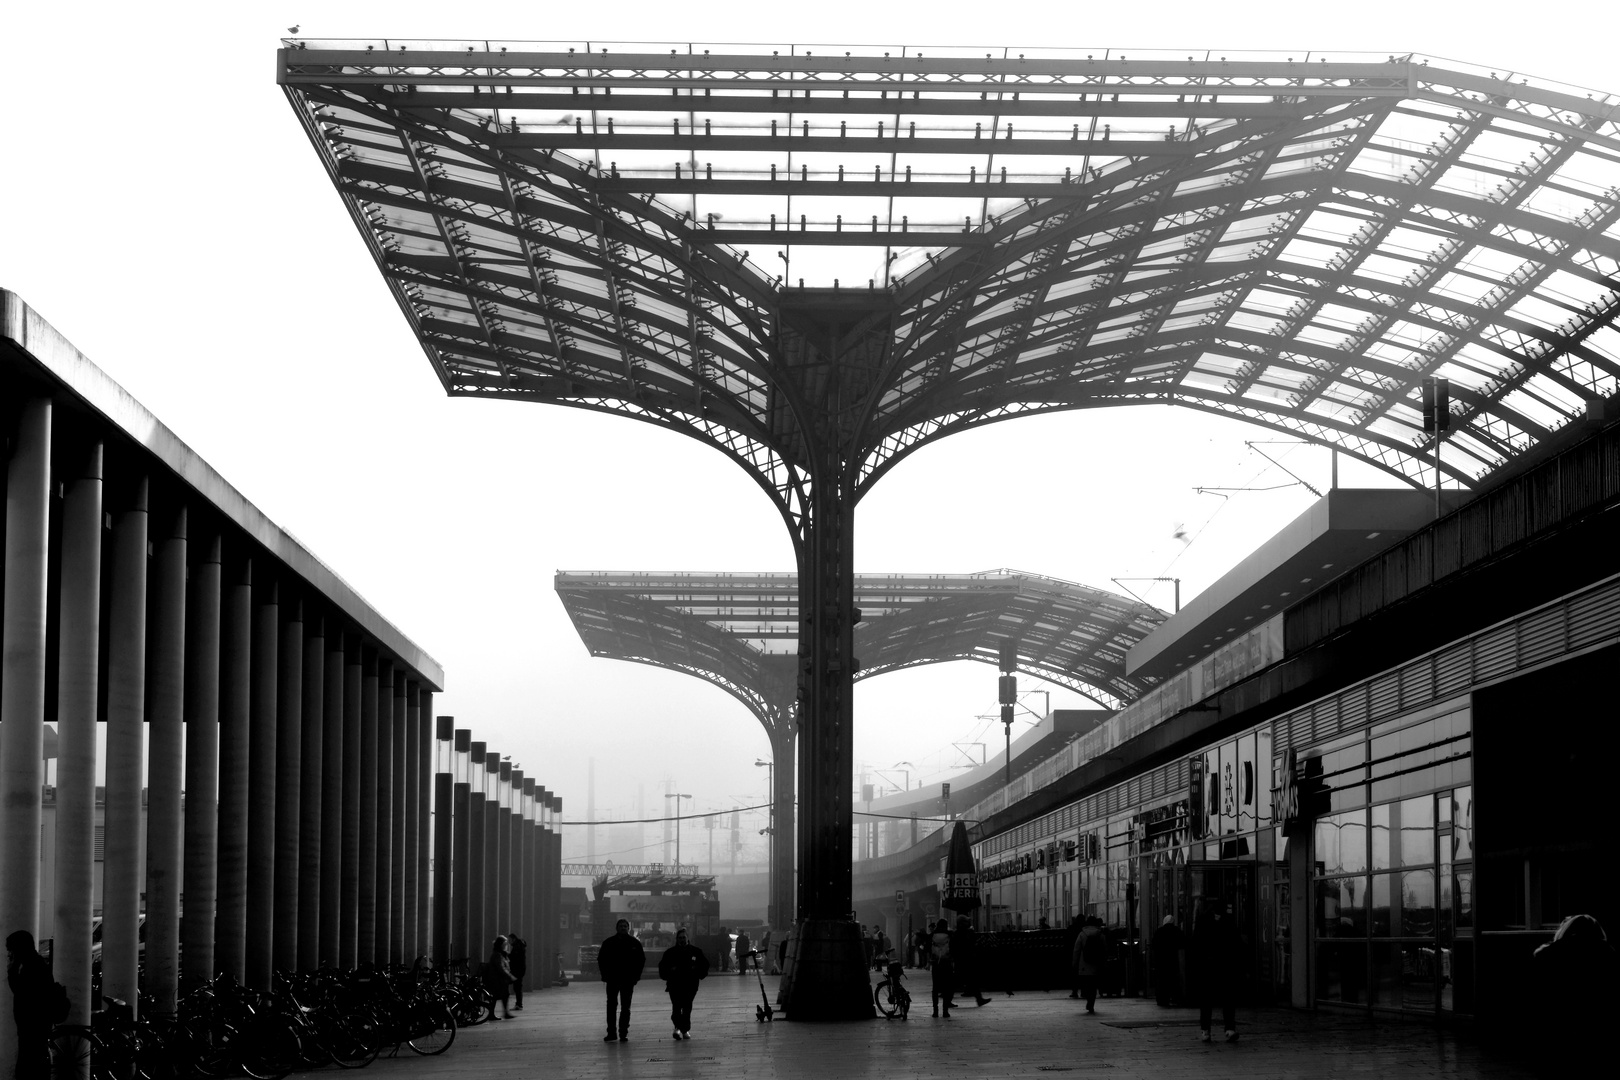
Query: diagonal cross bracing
{"type": "Point", "coordinates": [820, 260]}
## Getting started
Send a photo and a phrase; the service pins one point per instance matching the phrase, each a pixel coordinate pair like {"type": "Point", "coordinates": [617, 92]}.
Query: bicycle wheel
{"type": "Point", "coordinates": [432, 1027]}
{"type": "Point", "coordinates": [154, 1058]}
{"type": "Point", "coordinates": [473, 1005]}
{"type": "Point", "coordinates": [70, 1053]}
{"type": "Point", "coordinates": [884, 998]}
{"type": "Point", "coordinates": [205, 1048]}
{"type": "Point", "coordinates": [112, 1055]}
{"type": "Point", "coordinates": [271, 1050]}
{"type": "Point", "coordinates": [352, 1040]}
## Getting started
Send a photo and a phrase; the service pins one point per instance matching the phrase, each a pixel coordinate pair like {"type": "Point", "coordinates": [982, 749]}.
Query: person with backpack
{"type": "Point", "coordinates": [1090, 955]}
{"type": "Point", "coordinates": [682, 967]}
{"type": "Point", "coordinates": [37, 1002]}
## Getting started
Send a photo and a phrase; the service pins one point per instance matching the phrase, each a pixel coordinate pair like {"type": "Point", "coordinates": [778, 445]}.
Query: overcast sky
{"type": "Point", "coordinates": [166, 213]}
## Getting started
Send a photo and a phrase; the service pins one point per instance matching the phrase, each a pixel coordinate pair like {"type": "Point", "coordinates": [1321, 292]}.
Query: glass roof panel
{"type": "Point", "coordinates": [1114, 198]}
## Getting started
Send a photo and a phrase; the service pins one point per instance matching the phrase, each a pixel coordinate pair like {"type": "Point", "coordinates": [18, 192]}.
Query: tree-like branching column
{"type": "Point", "coordinates": [1297, 245]}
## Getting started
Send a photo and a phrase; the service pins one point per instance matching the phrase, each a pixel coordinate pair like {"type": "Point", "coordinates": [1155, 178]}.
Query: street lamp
{"type": "Point", "coordinates": [677, 797]}
{"type": "Point", "coordinates": [770, 839]}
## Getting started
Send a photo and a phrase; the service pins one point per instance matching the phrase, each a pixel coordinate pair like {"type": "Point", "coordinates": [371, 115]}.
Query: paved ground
{"type": "Point", "coordinates": [1030, 1034]}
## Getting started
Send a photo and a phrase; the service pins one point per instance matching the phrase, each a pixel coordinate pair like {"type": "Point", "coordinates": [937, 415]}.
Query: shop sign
{"type": "Point", "coordinates": [1163, 827]}
{"type": "Point", "coordinates": [655, 905]}
{"type": "Point", "coordinates": [1195, 795]}
{"type": "Point", "coordinates": [1287, 809]}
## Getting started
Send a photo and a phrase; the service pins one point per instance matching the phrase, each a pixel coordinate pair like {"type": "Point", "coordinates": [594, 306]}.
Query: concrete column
{"type": "Point", "coordinates": [289, 755]}
{"type": "Point", "coordinates": [542, 976]}
{"type": "Point", "coordinates": [410, 948]}
{"type": "Point", "coordinates": [530, 896]}
{"type": "Point", "coordinates": [311, 853]}
{"type": "Point", "coordinates": [515, 859]}
{"type": "Point", "coordinates": [349, 884]}
{"type": "Point", "coordinates": [201, 883]}
{"type": "Point", "coordinates": [79, 619]}
{"type": "Point", "coordinates": [542, 851]}
{"type": "Point", "coordinates": [503, 849]}
{"type": "Point", "coordinates": [22, 683]}
{"type": "Point", "coordinates": [383, 794]}
{"type": "Point", "coordinates": [366, 938]}
{"type": "Point", "coordinates": [331, 902]}
{"type": "Point", "coordinates": [123, 873]}
{"type": "Point", "coordinates": [492, 851]}
{"type": "Point", "coordinates": [443, 832]}
{"type": "Point", "coordinates": [476, 940]}
{"type": "Point", "coordinates": [424, 815]}
{"type": "Point", "coordinates": [396, 824]}
{"type": "Point", "coordinates": [552, 887]}
{"type": "Point", "coordinates": [262, 783]}
{"type": "Point", "coordinates": [235, 710]}
{"type": "Point", "coordinates": [1303, 936]}
{"type": "Point", "coordinates": [166, 698]}
{"type": "Point", "coordinates": [460, 851]}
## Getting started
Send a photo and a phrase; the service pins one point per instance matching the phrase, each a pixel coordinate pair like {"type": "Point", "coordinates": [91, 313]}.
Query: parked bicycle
{"type": "Point", "coordinates": [891, 996]}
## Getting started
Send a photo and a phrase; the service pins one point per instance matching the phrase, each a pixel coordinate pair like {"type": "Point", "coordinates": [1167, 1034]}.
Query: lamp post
{"type": "Point", "coordinates": [677, 797]}
{"type": "Point", "coordinates": [770, 840]}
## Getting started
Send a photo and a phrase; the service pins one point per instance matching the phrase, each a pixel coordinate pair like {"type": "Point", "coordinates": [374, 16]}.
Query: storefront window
{"type": "Point", "coordinates": [1417, 917]}
{"type": "Point", "coordinates": [1341, 970]}
{"type": "Point", "coordinates": [1341, 842]}
{"type": "Point", "coordinates": [1417, 831]}
{"type": "Point", "coordinates": [1341, 907]}
{"type": "Point", "coordinates": [1462, 824]}
{"type": "Point", "coordinates": [1380, 837]}
{"type": "Point", "coordinates": [1404, 975]}
{"type": "Point", "coordinates": [1394, 909]}
{"type": "Point", "coordinates": [1464, 899]}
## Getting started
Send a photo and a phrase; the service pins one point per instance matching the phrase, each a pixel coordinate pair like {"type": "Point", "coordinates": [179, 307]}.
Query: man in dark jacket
{"type": "Point", "coordinates": [743, 947]}
{"type": "Point", "coordinates": [681, 966]}
{"type": "Point", "coordinates": [621, 961]}
{"type": "Point", "coordinates": [1168, 942]}
{"type": "Point", "coordinates": [965, 952]}
{"type": "Point", "coordinates": [1090, 955]}
{"type": "Point", "coordinates": [517, 958]}
{"type": "Point", "coordinates": [31, 984]}
{"type": "Point", "coordinates": [1215, 955]}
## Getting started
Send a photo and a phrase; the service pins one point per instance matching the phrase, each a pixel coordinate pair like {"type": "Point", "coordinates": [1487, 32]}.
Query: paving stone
{"type": "Point", "coordinates": [1031, 1034]}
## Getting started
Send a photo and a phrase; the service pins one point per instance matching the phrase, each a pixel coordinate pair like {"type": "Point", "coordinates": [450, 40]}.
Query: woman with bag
{"type": "Point", "coordinates": [498, 979]}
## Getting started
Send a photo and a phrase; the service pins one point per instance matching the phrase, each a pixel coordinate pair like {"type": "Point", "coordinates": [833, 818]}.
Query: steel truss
{"type": "Point", "coordinates": [1294, 243]}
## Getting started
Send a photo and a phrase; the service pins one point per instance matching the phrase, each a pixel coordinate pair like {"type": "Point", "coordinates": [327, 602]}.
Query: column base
{"type": "Point", "coordinates": [826, 976]}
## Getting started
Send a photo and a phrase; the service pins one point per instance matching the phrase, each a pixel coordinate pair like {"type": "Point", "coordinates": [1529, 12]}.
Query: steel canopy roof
{"type": "Point", "coordinates": [741, 631]}
{"type": "Point", "coordinates": [1293, 241]}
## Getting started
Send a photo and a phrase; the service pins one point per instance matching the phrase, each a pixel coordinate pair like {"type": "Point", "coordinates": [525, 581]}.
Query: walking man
{"type": "Point", "coordinates": [1215, 952]}
{"type": "Point", "coordinates": [1090, 954]}
{"type": "Point", "coordinates": [744, 945]}
{"type": "Point", "coordinates": [621, 961]}
{"type": "Point", "coordinates": [1167, 944]}
{"type": "Point", "coordinates": [944, 970]}
{"type": "Point", "coordinates": [517, 958]}
{"type": "Point", "coordinates": [965, 954]}
{"type": "Point", "coordinates": [681, 967]}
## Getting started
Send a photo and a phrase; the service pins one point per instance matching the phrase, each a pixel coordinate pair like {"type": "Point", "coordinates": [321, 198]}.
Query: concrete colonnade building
{"type": "Point", "coordinates": [269, 747]}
